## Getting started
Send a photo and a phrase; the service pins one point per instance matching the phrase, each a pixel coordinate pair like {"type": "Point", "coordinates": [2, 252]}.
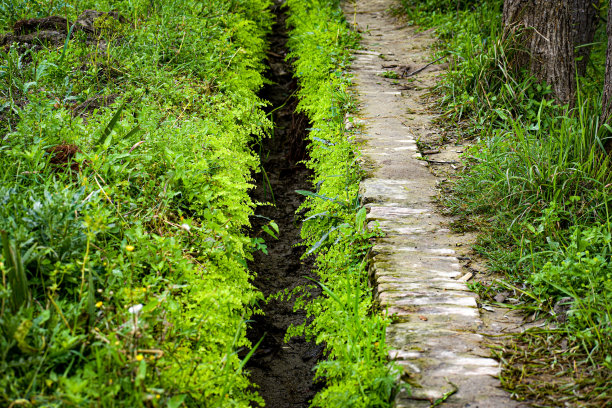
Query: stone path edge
{"type": "Point", "coordinates": [434, 336]}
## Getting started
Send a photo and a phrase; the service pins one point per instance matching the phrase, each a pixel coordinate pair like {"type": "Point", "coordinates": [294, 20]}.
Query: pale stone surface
{"type": "Point", "coordinates": [415, 270]}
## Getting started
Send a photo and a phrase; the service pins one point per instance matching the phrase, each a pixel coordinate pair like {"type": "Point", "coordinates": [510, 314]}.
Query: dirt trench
{"type": "Point", "coordinates": [283, 372]}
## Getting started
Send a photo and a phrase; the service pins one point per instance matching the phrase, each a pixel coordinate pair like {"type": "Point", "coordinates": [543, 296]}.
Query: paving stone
{"type": "Point", "coordinates": [402, 192]}
{"type": "Point", "coordinates": [401, 285]}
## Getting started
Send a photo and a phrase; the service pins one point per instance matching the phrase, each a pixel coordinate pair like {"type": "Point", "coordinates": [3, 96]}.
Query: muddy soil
{"type": "Point", "coordinates": [283, 372]}
{"type": "Point", "coordinates": [53, 30]}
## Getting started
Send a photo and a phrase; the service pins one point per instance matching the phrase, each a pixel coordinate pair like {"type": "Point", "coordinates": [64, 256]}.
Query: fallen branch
{"type": "Point", "coordinates": [424, 68]}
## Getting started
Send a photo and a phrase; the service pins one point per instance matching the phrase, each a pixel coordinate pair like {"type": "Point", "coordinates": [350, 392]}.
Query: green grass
{"type": "Point", "coordinates": [124, 279]}
{"type": "Point", "coordinates": [537, 187]}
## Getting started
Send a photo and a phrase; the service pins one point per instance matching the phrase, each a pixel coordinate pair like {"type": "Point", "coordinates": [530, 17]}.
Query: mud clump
{"type": "Point", "coordinates": [62, 157]}
{"type": "Point", "coordinates": [53, 30]}
{"type": "Point", "coordinates": [34, 25]}
{"type": "Point", "coordinates": [49, 30]}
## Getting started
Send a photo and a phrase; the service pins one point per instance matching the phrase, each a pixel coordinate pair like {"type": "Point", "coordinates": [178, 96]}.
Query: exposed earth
{"type": "Point", "coordinates": [282, 371]}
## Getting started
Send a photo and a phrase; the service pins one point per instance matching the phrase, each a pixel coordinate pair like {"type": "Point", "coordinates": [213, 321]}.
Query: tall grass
{"type": "Point", "coordinates": [537, 179]}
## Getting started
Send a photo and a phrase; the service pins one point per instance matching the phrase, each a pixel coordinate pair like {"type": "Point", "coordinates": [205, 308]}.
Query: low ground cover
{"type": "Point", "coordinates": [537, 187]}
{"type": "Point", "coordinates": [126, 161]}
{"type": "Point", "coordinates": [356, 370]}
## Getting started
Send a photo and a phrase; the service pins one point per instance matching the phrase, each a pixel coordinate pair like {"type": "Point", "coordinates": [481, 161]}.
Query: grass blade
{"type": "Point", "coordinates": [19, 283]}
{"type": "Point", "coordinates": [109, 127]}
{"type": "Point", "coordinates": [66, 42]}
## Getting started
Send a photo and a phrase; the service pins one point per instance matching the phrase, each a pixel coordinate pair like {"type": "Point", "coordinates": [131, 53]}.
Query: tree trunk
{"type": "Point", "coordinates": [606, 99]}
{"type": "Point", "coordinates": [543, 29]}
{"type": "Point", "coordinates": [584, 24]}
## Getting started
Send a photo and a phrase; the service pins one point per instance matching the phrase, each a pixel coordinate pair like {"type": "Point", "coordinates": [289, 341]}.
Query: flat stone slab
{"type": "Point", "coordinates": [402, 192]}
{"type": "Point", "coordinates": [434, 337]}
{"type": "Point", "coordinates": [400, 285]}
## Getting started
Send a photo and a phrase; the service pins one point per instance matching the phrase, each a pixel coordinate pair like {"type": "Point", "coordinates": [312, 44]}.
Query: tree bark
{"type": "Point", "coordinates": [543, 29]}
{"type": "Point", "coordinates": [584, 24]}
{"type": "Point", "coordinates": [606, 99]}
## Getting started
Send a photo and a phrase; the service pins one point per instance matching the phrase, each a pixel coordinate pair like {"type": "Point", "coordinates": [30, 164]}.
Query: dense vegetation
{"type": "Point", "coordinates": [537, 186]}
{"type": "Point", "coordinates": [127, 150]}
{"type": "Point", "coordinates": [126, 163]}
{"type": "Point", "coordinates": [356, 372]}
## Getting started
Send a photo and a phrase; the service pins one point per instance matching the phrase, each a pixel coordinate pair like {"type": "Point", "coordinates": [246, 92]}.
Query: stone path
{"type": "Point", "coordinates": [435, 335]}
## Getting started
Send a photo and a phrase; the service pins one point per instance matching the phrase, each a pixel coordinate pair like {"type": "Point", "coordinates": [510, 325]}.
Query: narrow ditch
{"type": "Point", "coordinates": [283, 372]}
